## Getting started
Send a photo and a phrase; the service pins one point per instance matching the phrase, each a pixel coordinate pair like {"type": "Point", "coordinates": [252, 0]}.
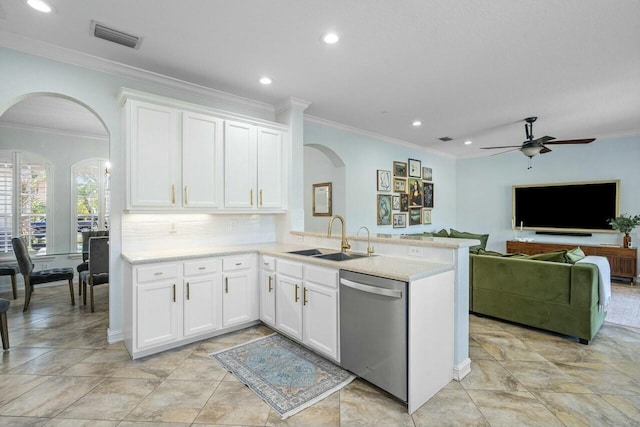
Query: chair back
{"type": "Point", "coordinates": [86, 235]}
{"type": "Point", "coordinates": [98, 255]}
{"type": "Point", "coordinates": [22, 256]}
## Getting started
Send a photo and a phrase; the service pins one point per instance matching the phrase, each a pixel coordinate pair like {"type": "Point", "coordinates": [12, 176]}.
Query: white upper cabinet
{"type": "Point", "coordinates": [182, 156]}
{"type": "Point", "coordinates": [153, 150]}
{"type": "Point", "coordinates": [253, 159]}
{"type": "Point", "coordinates": [201, 161]}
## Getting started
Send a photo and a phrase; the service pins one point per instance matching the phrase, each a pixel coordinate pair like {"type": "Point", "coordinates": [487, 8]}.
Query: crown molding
{"type": "Point", "coordinates": [18, 126]}
{"type": "Point", "coordinates": [68, 56]}
{"type": "Point", "coordinates": [291, 102]}
{"type": "Point", "coordinates": [384, 138]}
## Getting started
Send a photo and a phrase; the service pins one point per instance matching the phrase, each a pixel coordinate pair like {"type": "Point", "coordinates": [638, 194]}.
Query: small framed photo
{"type": "Point", "coordinates": [428, 194]}
{"type": "Point", "coordinates": [384, 180]}
{"type": "Point", "coordinates": [415, 192]}
{"type": "Point", "coordinates": [427, 174]}
{"type": "Point", "coordinates": [426, 216]}
{"type": "Point", "coordinates": [399, 220]}
{"type": "Point", "coordinates": [404, 202]}
{"type": "Point", "coordinates": [383, 209]}
{"type": "Point", "coordinates": [415, 216]}
{"type": "Point", "coordinates": [321, 199]}
{"type": "Point", "coordinates": [395, 203]}
{"type": "Point", "coordinates": [415, 168]}
{"type": "Point", "coordinates": [399, 185]}
{"type": "Point", "coordinates": [400, 169]}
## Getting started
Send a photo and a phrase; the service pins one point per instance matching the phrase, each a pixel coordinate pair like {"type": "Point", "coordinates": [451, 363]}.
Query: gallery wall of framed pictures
{"type": "Point", "coordinates": [405, 194]}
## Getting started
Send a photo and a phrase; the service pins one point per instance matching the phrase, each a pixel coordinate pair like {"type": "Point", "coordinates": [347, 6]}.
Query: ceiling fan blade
{"type": "Point", "coordinates": [502, 146]}
{"type": "Point", "coordinates": [545, 150]}
{"type": "Point", "coordinates": [503, 152]}
{"type": "Point", "coordinates": [544, 139]}
{"type": "Point", "coordinates": [572, 141]}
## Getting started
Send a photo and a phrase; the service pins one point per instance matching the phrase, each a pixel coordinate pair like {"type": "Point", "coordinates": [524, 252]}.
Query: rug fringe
{"type": "Point", "coordinates": [318, 398]}
{"type": "Point", "coordinates": [244, 343]}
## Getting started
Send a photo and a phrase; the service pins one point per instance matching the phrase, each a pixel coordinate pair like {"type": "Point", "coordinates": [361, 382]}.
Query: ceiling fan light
{"type": "Point", "coordinates": [531, 150]}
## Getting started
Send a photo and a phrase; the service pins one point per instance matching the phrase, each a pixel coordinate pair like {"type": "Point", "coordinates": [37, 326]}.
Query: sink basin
{"type": "Point", "coordinates": [340, 256]}
{"type": "Point", "coordinates": [306, 252]}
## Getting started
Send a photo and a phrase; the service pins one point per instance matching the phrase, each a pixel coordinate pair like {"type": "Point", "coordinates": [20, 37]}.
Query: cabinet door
{"type": "Point", "coordinates": [158, 313]}
{"type": "Point", "coordinates": [154, 156]}
{"type": "Point", "coordinates": [201, 161]}
{"type": "Point", "coordinates": [268, 297]}
{"type": "Point", "coordinates": [237, 298]}
{"type": "Point", "coordinates": [321, 319]}
{"type": "Point", "coordinates": [289, 305]}
{"type": "Point", "coordinates": [270, 168]}
{"type": "Point", "coordinates": [240, 165]}
{"type": "Point", "coordinates": [202, 305]}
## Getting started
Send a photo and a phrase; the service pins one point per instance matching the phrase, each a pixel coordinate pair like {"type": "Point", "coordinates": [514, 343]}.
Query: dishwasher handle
{"type": "Point", "coordinates": [393, 293]}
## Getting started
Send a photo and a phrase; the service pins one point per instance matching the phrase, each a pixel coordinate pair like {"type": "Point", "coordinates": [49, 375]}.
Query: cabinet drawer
{"type": "Point", "coordinates": [291, 269]}
{"type": "Point", "coordinates": [240, 262]}
{"type": "Point", "coordinates": [321, 276]}
{"type": "Point", "coordinates": [268, 263]}
{"type": "Point", "coordinates": [156, 272]}
{"type": "Point", "coordinates": [202, 266]}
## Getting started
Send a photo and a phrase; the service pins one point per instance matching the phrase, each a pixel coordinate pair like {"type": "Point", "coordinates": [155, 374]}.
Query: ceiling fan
{"type": "Point", "coordinates": [531, 147]}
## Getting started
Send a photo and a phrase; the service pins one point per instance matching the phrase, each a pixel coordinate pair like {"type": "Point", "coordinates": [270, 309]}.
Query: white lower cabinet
{"type": "Point", "coordinates": [307, 305]}
{"type": "Point", "coordinates": [239, 297]}
{"type": "Point", "coordinates": [202, 296]}
{"type": "Point", "coordinates": [268, 291]}
{"type": "Point", "coordinates": [158, 312]}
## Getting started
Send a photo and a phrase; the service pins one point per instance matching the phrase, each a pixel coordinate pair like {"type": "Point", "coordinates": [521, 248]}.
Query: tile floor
{"type": "Point", "coordinates": [60, 371]}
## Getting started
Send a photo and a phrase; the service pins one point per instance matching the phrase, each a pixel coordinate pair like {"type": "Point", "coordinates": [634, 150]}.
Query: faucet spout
{"type": "Point", "coordinates": [344, 244]}
{"type": "Point", "coordinates": [370, 249]}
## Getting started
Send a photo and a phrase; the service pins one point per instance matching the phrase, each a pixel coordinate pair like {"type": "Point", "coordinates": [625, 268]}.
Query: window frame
{"type": "Point", "coordinates": [103, 216]}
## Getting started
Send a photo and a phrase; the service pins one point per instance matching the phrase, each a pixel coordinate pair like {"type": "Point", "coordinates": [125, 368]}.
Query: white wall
{"type": "Point", "coordinates": [484, 186]}
{"type": "Point", "coordinates": [319, 168]}
{"type": "Point", "coordinates": [363, 155]}
{"type": "Point", "coordinates": [61, 152]}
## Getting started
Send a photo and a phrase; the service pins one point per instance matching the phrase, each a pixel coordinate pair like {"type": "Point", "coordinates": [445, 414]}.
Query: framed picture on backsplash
{"type": "Point", "coordinates": [384, 209]}
{"type": "Point", "coordinates": [427, 174]}
{"type": "Point", "coordinates": [400, 169]}
{"type": "Point", "coordinates": [395, 203]}
{"type": "Point", "coordinates": [399, 220]}
{"type": "Point", "coordinates": [384, 180]}
{"type": "Point", "coordinates": [415, 192]}
{"type": "Point", "coordinates": [399, 185]}
{"type": "Point", "coordinates": [404, 202]}
{"type": "Point", "coordinates": [426, 216]}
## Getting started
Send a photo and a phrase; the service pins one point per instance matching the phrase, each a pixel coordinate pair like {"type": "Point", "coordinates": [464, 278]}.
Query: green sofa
{"type": "Point", "coordinates": [558, 297]}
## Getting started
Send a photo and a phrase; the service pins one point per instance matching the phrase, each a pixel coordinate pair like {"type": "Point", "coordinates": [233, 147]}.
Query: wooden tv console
{"type": "Point", "coordinates": [623, 261]}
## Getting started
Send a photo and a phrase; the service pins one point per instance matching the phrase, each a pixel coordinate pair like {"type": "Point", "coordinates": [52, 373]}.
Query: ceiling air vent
{"type": "Point", "coordinates": [101, 31]}
{"type": "Point", "coordinates": [445, 139]}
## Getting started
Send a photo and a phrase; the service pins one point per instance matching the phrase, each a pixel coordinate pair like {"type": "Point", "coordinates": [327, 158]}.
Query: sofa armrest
{"type": "Point", "coordinates": [584, 285]}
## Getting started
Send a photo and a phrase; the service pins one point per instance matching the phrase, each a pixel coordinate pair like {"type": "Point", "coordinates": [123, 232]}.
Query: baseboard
{"type": "Point", "coordinates": [462, 370]}
{"type": "Point", "coordinates": [114, 336]}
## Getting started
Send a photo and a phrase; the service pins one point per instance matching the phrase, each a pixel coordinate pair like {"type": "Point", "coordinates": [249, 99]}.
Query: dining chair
{"type": "Point", "coordinates": [98, 272]}
{"type": "Point", "coordinates": [32, 278]}
{"type": "Point", "coordinates": [4, 327]}
{"type": "Point", "coordinates": [86, 235]}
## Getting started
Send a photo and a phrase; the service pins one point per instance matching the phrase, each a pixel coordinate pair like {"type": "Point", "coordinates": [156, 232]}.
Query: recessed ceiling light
{"type": "Point", "coordinates": [467, 142]}
{"type": "Point", "coordinates": [330, 38]}
{"type": "Point", "coordinates": [416, 123]}
{"type": "Point", "coordinates": [265, 80]}
{"type": "Point", "coordinates": [40, 5]}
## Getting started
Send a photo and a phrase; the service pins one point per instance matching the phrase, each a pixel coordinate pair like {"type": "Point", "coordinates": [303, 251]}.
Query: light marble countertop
{"type": "Point", "coordinates": [398, 268]}
{"type": "Point", "coordinates": [400, 239]}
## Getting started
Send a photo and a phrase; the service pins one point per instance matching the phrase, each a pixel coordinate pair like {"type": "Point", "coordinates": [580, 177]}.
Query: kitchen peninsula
{"type": "Point", "coordinates": [172, 298]}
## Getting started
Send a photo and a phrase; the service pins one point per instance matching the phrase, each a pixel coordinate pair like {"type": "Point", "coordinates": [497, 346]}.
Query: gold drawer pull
{"type": "Point", "coordinates": [226, 285]}
{"type": "Point", "coordinates": [296, 298]}
{"type": "Point", "coordinates": [304, 296]}
{"type": "Point", "coordinates": [186, 194]}
{"type": "Point", "coordinates": [202, 268]}
{"type": "Point", "coordinates": [159, 273]}
{"type": "Point", "coordinates": [174, 292]}
{"type": "Point", "coordinates": [270, 281]}
{"type": "Point", "coordinates": [260, 197]}
{"type": "Point", "coordinates": [173, 194]}
{"type": "Point", "coordinates": [187, 290]}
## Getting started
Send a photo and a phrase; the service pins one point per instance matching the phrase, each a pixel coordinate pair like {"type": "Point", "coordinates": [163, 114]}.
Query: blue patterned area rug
{"type": "Point", "coordinates": [288, 377]}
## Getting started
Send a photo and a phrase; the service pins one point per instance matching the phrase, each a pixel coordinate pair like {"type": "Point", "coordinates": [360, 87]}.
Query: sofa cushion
{"type": "Point", "coordinates": [465, 235]}
{"type": "Point", "coordinates": [576, 254]}
{"type": "Point", "coordinates": [557, 256]}
{"type": "Point", "coordinates": [481, 251]}
{"type": "Point", "coordinates": [441, 233]}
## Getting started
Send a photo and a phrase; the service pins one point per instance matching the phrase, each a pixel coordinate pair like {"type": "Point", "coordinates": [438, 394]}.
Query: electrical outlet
{"type": "Point", "coordinates": [416, 251]}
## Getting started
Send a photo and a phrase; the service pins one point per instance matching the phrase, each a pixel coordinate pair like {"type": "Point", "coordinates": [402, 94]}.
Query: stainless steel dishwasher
{"type": "Point", "coordinates": [373, 330]}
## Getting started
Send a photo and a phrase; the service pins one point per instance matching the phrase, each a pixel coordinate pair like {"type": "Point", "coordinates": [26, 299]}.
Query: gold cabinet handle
{"type": "Point", "coordinates": [260, 197]}
{"type": "Point", "coordinates": [202, 268]}
{"type": "Point", "coordinates": [296, 297]}
{"type": "Point", "coordinates": [270, 282]}
{"type": "Point", "coordinates": [226, 285]}
{"type": "Point", "coordinates": [187, 290]}
{"type": "Point", "coordinates": [173, 194]}
{"type": "Point", "coordinates": [158, 273]}
{"type": "Point", "coordinates": [186, 194]}
{"type": "Point", "coordinates": [251, 196]}
{"type": "Point", "coordinates": [174, 292]}
{"type": "Point", "coordinates": [304, 296]}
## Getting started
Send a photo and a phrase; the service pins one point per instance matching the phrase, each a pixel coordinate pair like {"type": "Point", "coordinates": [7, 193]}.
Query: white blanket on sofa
{"type": "Point", "coordinates": [604, 279]}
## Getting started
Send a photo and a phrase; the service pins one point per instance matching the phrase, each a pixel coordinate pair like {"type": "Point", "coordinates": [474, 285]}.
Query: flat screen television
{"type": "Point", "coordinates": [573, 207]}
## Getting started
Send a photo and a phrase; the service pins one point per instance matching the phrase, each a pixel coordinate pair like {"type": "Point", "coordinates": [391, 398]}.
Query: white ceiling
{"type": "Point", "coordinates": [469, 69]}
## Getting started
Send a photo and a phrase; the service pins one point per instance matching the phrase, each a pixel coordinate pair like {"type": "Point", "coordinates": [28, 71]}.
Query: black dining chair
{"type": "Point", "coordinates": [98, 272]}
{"type": "Point", "coordinates": [86, 235]}
{"type": "Point", "coordinates": [32, 278]}
{"type": "Point", "coordinates": [4, 326]}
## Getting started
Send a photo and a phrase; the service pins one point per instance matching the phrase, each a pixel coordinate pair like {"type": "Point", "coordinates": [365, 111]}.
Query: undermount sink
{"type": "Point", "coordinates": [327, 254]}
